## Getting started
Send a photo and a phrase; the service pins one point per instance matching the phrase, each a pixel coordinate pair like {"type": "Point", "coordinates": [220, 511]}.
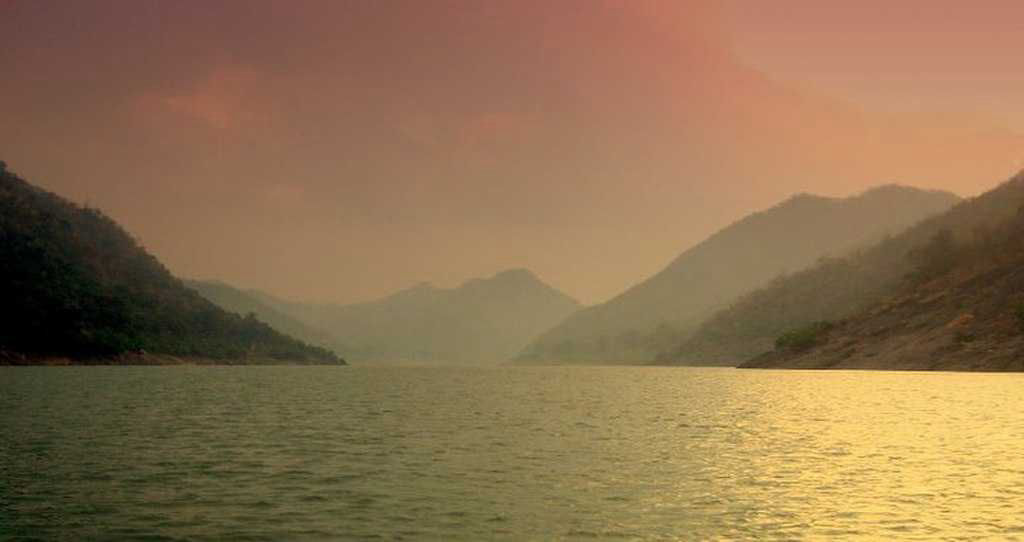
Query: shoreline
{"type": "Point", "coordinates": [10, 359]}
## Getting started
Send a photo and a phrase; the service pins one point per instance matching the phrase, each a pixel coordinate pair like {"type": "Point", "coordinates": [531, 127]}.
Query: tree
{"type": "Point", "coordinates": [935, 258]}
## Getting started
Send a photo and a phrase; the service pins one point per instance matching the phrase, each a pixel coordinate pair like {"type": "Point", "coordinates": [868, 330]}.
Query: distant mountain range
{"type": "Point", "coordinates": [658, 314]}
{"type": "Point", "coordinates": [894, 278]}
{"type": "Point", "coordinates": [957, 305]}
{"type": "Point", "coordinates": [483, 321]}
{"type": "Point", "coordinates": [245, 302]}
{"type": "Point", "coordinates": [76, 288]}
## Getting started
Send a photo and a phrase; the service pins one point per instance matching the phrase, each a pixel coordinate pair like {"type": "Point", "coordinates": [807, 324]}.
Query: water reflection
{"type": "Point", "coordinates": [509, 453]}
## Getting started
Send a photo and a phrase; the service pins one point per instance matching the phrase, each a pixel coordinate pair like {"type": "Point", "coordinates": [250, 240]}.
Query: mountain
{"type": "Point", "coordinates": [481, 321]}
{"type": "Point", "coordinates": [960, 308]}
{"type": "Point", "coordinates": [836, 288]}
{"type": "Point", "coordinates": [77, 288]}
{"type": "Point", "coordinates": [243, 302]}
{"type": "Point", "coordinates": [655, 315]}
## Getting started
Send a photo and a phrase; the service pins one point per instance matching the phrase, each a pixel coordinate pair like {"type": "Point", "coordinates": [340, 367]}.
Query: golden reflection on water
{"type": "Point", "coordinates": [516, 453]}
{"type": "Point", "coordinates": [871, 454]}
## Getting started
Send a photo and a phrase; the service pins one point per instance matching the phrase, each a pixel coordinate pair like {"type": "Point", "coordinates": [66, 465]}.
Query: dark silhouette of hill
{"type": "Point", "coordinates": [657, 314]}
{"type": "Point", "coordinates": [837, 287]}
{"type": "Point", "coordinates": [77, 288]}
{"type": "Point", "coordinates": [244, 302]}
{"type": "Point", "coordinates": [960, 307]}
{"type": "Point", "coordinates": [481, 321]}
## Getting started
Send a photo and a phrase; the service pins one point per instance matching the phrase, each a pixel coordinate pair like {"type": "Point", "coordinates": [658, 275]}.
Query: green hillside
{"type": "Point", "coordinates": [76, 286]}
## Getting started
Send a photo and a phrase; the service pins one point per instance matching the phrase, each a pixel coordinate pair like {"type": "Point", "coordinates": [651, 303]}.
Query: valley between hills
{"type": "Point", "coordinates": [893, 278]}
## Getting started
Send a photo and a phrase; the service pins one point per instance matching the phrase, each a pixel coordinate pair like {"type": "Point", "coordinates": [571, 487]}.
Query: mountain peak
{"type": "Point", "coordinates": [741, 257]}
{"type": "Point", "coordinates": [894, 189]}
{"type": "Point", "coordinates": [483, 320]}
{"type": "Point", "coordinates": [420, 288]}
{"type": "Point", "coordinates": [518, 273]}
{"type": "Point", "coordinates": [803, 198]}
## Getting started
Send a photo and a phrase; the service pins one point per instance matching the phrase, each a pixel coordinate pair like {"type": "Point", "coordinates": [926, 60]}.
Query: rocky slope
{"type": "Point", "coordinates": [961, 308]}
{"type": "Point", "coordinates": [837, 287]}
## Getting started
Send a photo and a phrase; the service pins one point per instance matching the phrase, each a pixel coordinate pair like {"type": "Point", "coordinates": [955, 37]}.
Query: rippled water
{"type": "Point", "coordinates": [314, 453]}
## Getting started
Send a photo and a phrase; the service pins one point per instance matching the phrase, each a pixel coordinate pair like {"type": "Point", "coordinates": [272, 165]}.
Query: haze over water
{"type": "Point", "coordinates": [519, 453]}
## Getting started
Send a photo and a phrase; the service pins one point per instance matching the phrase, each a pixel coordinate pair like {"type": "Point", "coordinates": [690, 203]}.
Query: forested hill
{"type": "Point", "coordinates": [659, 313]}
{"type": "Point", "coordinates": [837, 288]}
{"type": "Point", "coordinates": [960, 308]}
{"type": "Point", "coordinates": [76, 287]}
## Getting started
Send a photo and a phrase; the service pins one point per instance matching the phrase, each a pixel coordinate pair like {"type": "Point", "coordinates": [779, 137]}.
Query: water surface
{"type": "Point", "coordinates": [281, 453]}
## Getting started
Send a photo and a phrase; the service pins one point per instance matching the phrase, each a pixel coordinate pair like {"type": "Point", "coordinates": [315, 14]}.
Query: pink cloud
{"type": "Point", "coordinates": [223, 101]}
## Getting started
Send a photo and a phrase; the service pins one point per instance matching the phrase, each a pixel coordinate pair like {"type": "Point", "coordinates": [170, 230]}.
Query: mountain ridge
{"type": "Point", "coordinates": [835, 288]}
{"type": "Point", "coordinates": [638, 324]}
{"type": "Point", "coordinates": [78, 288]}
{"type": "Point", "coordinates": [961, 308]}
{"type": "Point", "coordinates": [244, 302]}
{"type": "Point", "coordinates": [482, 320]}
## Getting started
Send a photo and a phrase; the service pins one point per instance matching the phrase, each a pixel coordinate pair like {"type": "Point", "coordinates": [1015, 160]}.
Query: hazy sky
{"type": "Point", "coordinates": [340, 150]}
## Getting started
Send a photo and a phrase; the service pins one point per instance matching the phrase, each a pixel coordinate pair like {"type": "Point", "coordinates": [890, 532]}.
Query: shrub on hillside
{"type": "Point", "coordinates": [935, 258]}
{"type": "Point", "coordinates": [804, 337]}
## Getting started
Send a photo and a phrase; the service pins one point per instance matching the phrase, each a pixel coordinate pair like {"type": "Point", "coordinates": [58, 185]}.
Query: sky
{"type": "Point", "coordinates": [338, 151]}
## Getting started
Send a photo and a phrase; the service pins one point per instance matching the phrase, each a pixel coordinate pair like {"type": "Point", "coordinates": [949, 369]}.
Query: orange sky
{"type": "Point", "coordinates": [341, 150]}
{"type": "Point", "coordinates": [908, 55]}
